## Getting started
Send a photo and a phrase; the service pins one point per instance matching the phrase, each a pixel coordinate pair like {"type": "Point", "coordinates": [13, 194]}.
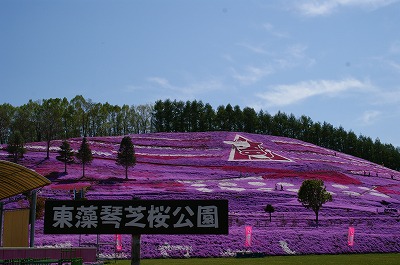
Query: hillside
{"type": "Point", "coordinates": [250, 171]}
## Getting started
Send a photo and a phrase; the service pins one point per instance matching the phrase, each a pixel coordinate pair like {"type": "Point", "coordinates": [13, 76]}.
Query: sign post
{"type": "Point", "coordinates": [135, 246]}
{"type": "Point", "coordinates": [136, 217]}
{"type": "Point", "coordinates": [135, 250]}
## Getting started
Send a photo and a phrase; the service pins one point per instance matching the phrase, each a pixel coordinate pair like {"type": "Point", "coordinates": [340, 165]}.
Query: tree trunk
{"type": "Point", "coordinates": [126, 172]}
{"type": "Point", "coordinates": [48, 150]}
{"type": "Point", "coordinates": [269, 217]}
{"type": "Point", "coordinates": [316, 218]}
{"type": "Point", "coordinates": [65, 163]}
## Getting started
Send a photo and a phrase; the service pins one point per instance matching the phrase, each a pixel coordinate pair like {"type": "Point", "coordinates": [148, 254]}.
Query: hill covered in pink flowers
{"type": "Point", "coordinates": [250, 171]}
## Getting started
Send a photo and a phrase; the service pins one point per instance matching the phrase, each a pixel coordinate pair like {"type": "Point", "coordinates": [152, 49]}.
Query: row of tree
{"type": "Point", "coordinates": [50, 119]}
{"type": "Point", "coordinates": [178, 116]}
{"type": "Point", "coordinates": [125, 155]}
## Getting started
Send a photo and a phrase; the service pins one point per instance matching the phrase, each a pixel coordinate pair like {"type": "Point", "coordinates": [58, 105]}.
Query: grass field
{"type": "Point", "coordinates": [353, 259]}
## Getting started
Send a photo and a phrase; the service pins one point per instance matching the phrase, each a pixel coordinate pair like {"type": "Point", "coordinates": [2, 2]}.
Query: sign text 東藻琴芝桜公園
{"type": "Point", "coordinates": [136, 217]}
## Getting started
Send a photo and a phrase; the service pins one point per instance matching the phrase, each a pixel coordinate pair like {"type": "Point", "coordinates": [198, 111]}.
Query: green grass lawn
{"type": "Point", "coordinates": [353, 259]}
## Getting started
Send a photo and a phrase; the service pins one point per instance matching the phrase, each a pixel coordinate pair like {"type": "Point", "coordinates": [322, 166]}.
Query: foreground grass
{"type": "Point", "coordinates": [353, 259]}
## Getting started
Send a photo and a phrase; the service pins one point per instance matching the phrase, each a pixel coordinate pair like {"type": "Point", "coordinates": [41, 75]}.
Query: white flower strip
{"type": "Point", "coordinates": [339, 186]}
{"type": "Point", "coordinates": [198, 185]}
{"type": "Point", "coordinates": [265, 189]}
{"type": "Point", "coordinates": [232, 189]}
{"type": "Point", "coordinates": [285, 184]}
{"type": "Point", "coordinates": [257, 183]}
{"type": "Point", "coordinates": [204, 189]}
{"type": "Point", "coordinates": [379, 194]}
{"type": "Point", "coordinates": [166, 248]}
{"type": "Point", "coordinates": [351, 193]}
{"type": "Point", "coordinates": [285, 248]}
{"type": "Point", "coordinates": [60, 245]}
{"type": "Point", "coordinates": [227, 184]}
{"type": "Point", "coordinates": [232, 253]}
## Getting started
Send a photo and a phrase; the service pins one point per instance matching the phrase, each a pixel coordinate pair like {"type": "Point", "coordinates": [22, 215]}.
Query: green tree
{"type": "Point", "coordinates": [269, 209]}
{"type": "Point", "coordinates": [221, 119]}
{"type": "Point", "coordinates": [80, 113]}
{"type": "Point", "coordinates": [209, 118]}
{"type": "Point", "coordinates": [250, 120]}
{"type": "Point", "coordinates": [15, 146]}
{"type": "Point", "coordinates": [50, 121]}
{"type": "Point", "coordinates": [187, 117]}
{"type": "Point", "coordinates": [66, 154]}
{"type": "Point", "coordinates": [84, 155]}
{"type": "Point", "coordinates": [126, 154]}
{"type": "Point", "coordinates": [6, 114]}
{"type": "Point", "coordinates": [239, 119]}
{"type": "Point", "coordinates": [265, 122]}
{"type": "Point", "coordinates": [305, 124]}
{"type": "Point", "coordinates": [312, 195]}
{"type": "Point", "coordinates": [25, 121]}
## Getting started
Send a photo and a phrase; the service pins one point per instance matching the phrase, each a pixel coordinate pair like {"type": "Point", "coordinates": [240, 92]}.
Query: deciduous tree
{"type": "Point", "coordinates": [269, 209]}
{"type": "Point", "coordinates": [312, 195]}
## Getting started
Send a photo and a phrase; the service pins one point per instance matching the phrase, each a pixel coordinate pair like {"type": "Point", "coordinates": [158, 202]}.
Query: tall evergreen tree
{"type": "Point", "coordinates": [15, 146]}
{"type": "Point", "coordinates": [66, 154]}
{"type": "Point", "coordinates": [126, 154]}
{"type": "Point", "coordinates": [84, 155]}
{"type": "Point", "coordinates": [250, 120]}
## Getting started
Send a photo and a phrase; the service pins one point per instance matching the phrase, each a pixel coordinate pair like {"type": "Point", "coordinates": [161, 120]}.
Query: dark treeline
{"type": "Point", "coordinates": [50, 119]}
{"type": "Point", "coordinates": [178, 116]}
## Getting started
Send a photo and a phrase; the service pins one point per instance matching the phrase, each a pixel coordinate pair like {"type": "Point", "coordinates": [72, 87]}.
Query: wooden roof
{"type": "Point", "coordinates": [16, 179]}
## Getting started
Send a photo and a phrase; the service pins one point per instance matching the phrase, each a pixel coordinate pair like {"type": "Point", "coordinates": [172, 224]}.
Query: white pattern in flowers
{"type": "Point", "coordinates": [229, 184]}
{"type": "Point", "coordinates": [265, 189]}
{"type": "Point", "coordinates": [339, 186]}
{"type": "Point", "coordinates": [285, 184]}
{"type": "Point", "coordinates": [166, 248]}
{"type": "Point", "coordinates": [285, 248]}
{"type": "Point", "coordinates": [232, 189]}
{"type": "Point", "coordinates": [256, 183]}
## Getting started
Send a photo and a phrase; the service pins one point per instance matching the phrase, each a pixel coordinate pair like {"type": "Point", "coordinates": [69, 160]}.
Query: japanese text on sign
{"type": "Point", "coordinates": [151, 217]}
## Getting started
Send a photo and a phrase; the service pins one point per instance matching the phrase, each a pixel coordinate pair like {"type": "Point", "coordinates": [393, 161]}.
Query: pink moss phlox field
{"type": "Point", "coordinates": [211, 165]}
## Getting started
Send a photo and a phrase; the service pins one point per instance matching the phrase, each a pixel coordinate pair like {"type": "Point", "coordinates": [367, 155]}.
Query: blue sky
{"type": "Point", "coordinates": [334, 60]}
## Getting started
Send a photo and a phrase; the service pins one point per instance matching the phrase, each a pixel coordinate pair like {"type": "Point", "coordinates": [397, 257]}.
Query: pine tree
{"type": "Point", "coordinates": [84, 155]}
{"type": "Point", "coordinates": [15, 146]}
{"type": "Point", "coordinates": [66, 154]}
{"type": "Point", "coordinates": [126, 154]}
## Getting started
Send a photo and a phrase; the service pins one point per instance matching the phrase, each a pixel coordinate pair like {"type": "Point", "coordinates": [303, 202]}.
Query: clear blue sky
{"type": "Point", "coordinates": [334, 60]}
